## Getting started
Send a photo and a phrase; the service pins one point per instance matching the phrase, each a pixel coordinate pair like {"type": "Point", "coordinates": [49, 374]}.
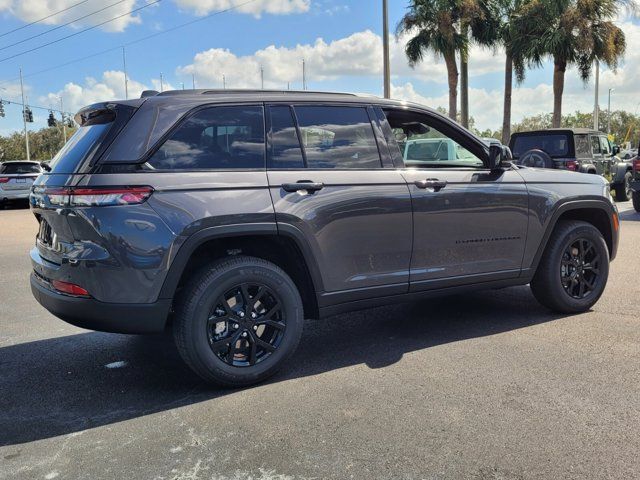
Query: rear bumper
{"type": "Point", "coordinates": [14, 194]}
{"type": "Point", "coordinates": [105, 317]}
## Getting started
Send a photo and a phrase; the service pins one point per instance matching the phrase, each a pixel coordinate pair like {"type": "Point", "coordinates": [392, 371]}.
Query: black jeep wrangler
{"type": "Point", "coordinates": [577, 150]}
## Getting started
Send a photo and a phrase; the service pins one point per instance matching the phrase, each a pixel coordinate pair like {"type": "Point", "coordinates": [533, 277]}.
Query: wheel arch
{"type": "Point", "coordinates": [598, 213]}
{"type": "Point", "coordinates": [263, 240]}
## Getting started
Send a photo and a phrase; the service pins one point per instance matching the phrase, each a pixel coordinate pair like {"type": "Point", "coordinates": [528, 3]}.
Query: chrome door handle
{"type": "Point", "coordinates": [302, 185]}
{"type": "Point", "coordinates": [431, 183]}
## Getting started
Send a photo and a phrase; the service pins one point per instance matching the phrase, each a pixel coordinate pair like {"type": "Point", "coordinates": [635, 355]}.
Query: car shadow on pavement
{"type": "Point", "coordinates": [67, 384]}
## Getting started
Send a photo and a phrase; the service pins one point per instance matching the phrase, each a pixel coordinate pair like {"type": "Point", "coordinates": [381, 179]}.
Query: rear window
{"type": "Point", "coordinates": [83, 144]}
{"type": "Point", "coordinates": [16, 168]}
{"type": "Point", "coordinates": [554, 144]}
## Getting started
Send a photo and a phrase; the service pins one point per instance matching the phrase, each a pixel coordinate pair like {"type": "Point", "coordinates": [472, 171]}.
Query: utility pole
{"type": "Point", "coordinates": [224, 82]}
{"type": "Point", "coordinates": [261, 77]}
{"type": "Point", "coordinates": [609, 112]}
{"type": "Point", "coordinates": [193, 80]}
{"type": "Point", "coordinates": [126, 81]}
{"type": "Point", "coordinates": [161, 82]}
{"type": "Point", "coordinates": [385, 50]}
{"type": "Point", "coordinates": [64, 123]}
{"type": "Point", "coordinates": [24, 118]}
{"type": "Point", "coordinates": [304, 76]}
{"type": "Point", "coordinates": [596, 109]}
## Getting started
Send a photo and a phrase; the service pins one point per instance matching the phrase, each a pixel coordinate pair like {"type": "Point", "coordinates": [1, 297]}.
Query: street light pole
{"type": "Point", "coordinates": [596, 108]}
{"type": "Point", "coordinates": [126, 82]}
{"type": "Point", "coordinates": [161, 83]}
{"type": "Point", "coordinates": [609, 112]}
{"type": "Point", "coordinates": [385, 50]}
{"type": "Point", "coordinates": [24, 118]}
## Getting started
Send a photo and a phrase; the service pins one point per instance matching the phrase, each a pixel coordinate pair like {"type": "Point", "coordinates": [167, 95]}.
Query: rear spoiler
{"type": "Point", "coordinates": [104, 112]}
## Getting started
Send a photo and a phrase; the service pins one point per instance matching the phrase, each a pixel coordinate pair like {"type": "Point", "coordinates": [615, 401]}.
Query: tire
{"type": "Point", "coordinates": [636, 201]}
{"type": "Point", "coordinates": [623, 189]}
{"type": "Point", "coordinates": [203, 323]}
{"type": "Point", "coordinates": [535, 158]}
{"type": "Point", "coordinates": [553, 290]}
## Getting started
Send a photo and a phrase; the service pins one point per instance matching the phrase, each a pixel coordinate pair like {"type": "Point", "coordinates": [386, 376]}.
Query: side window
{"type": "Point", "coordinates": [595, 145]}
{"type": "Point", "coordinates": [215, 138]}
{"type": "Point", "coordinates": [285, 145]}
{"type": "Point", "coordinates": [422, 145]}
{"type": "Point", "coordinates": [582, 146]}
{"type": "Point", "coordinates": [606, 148]}
{"type": "Point", "coordinates": [337, 137]}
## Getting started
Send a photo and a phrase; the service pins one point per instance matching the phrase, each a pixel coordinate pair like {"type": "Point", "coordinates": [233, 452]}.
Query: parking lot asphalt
{"type": "Point", "coordinates": [483, 386]}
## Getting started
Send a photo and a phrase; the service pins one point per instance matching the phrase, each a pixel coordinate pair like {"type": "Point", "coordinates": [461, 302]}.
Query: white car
{"type": "Point", "coordinates": [423, 151]}
{"type": "Point", "coordinates": [16, 179]}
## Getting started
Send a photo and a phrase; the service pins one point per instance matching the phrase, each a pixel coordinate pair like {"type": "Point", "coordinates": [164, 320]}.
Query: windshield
{"type": "Point", "coordinates": [80, 146]}
{"type": "Point", "coordinates": [554, 144]}
{"type": "Point", "coordinates": [17, 168]}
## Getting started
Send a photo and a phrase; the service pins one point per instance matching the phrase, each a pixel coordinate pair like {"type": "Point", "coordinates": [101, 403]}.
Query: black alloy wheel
{"type": "Point", "coordinates": [580, 268]}
{"type": "Point", "coordinates": [246, 325]}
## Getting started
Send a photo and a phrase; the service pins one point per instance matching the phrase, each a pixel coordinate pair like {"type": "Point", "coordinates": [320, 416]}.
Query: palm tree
{"type": "Point", "coordinates": [439, 26]}
{"type": "Point", "coordinates": [570, 32]}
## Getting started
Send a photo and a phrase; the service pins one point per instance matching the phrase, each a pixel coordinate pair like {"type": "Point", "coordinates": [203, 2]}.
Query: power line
{"type": "Point", "coordinates": [78, 33]}
{"type": "Point", "coordinates": [23, 105]}
{"type": "Point", "coordinates": [102, 52]}
{"type": "Point", "coordinates": [60, 26]}
{"type": "Point", "coordinates": [43, 18]}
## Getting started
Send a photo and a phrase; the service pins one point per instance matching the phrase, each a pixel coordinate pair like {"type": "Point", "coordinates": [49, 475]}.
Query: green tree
{"type": "Point", "coordinates": [570, 32]}
{"type": "Point", "coordinates": [440, 26]}
{"type": "Point", "coordinates": [43, 144]}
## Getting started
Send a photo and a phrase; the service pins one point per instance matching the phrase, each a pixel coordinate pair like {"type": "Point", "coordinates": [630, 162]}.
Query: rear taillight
{"type": "Point", "coordinates": [571, 165]}
{"type": "Point", "coordinates": [4, 179]}
{"type": "Point", "coordinates": [97, 196]}
{"type": "Point", "coordinates": [636, 165]}
{"type": "Point", "coordinates": [69, 288]}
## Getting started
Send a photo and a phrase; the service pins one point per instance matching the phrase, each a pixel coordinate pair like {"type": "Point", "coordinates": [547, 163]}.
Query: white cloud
{"type": "Point", "coordinates": [109, 87]}
{"type": "Point", "coordinates": [255, 8]}
{"type": "Point", "coordinates": [32, 10]}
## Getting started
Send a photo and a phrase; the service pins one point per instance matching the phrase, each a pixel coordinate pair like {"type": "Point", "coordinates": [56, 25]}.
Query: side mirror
{"type": "Point", "coordinates": [500, 156]}
{"type": "Point", "coordinates": [46, 167]}
{"type": "Point", "coordinates": [615, 150]}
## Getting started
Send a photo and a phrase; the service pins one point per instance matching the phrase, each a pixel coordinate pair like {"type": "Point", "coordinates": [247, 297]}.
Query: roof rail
{"type": "Point", "coordinates": [233, 91]}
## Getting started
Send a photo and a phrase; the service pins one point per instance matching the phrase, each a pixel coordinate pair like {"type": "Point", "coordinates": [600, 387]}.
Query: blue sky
{"type": "Point", "coordinates": [339, 40]}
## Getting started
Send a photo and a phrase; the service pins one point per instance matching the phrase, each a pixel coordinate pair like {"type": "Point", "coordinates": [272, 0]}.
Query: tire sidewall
{"type": "Point", "coordinates": [204, 301]}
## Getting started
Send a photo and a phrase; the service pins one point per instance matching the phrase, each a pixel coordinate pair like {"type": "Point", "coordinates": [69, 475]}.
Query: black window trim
{"type": "Point", "coordinates": [269, 128]}
{"type": "Point", "coordinates": [452, 131]}
{"type": "Point", "coordinates": [187, 115]}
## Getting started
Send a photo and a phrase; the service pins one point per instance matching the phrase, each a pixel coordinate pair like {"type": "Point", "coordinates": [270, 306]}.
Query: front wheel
{"type": "Point", "coordinates": [623, 190]}
{"type": "Point", "coordinates": [238, 321]}
{"type": "Point", "coordinates": [574, 268]}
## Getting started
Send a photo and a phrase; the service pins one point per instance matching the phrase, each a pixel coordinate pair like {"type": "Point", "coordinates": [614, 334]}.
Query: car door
{"type": "Point", "coordinates": [469, 223]}
{"type": "Point", "coordinates": [596, 149]}
{"type": "Point", "coordinates": [329, 188]}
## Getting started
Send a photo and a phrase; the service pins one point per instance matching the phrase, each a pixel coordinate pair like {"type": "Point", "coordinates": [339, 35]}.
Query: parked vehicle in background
{"type": "Point", "coordinates": [234, 215]}
{"type": "Point", "coordinates": [635, 183]}
{"type": "Point", "coordinates": [16, 179]}
{"type": "Point", "coordinates": [577, 150]}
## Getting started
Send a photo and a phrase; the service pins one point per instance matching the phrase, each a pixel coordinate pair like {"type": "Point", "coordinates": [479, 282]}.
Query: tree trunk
{"type": "Point", "coordinates": [452, 72]}
{"type": "Point", "coordinates": [508, 91]}
{"type": "Point", "coordinates": [559, 69]}
{"type": "Point", "coordinates": [464, 86]}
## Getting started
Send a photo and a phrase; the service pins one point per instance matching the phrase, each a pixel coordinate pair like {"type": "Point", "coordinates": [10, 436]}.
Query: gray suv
{"type": "Point", "coordinates": [233, 215]}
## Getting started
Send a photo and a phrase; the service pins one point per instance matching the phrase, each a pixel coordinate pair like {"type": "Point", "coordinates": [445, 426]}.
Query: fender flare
{"type": "Point", "coordinates": [186, 249]}
{"type": "Point", "coordinates": [621, 170]}
{"type": "Point", "coordinates": [576, 204]}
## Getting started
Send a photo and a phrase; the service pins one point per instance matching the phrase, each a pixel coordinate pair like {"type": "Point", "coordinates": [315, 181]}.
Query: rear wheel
{"type": "Point", "coordinates": [623, 190]}
{"type": "Point", "coordinates": [574, 268]}
{"type": "Point", "coordinates": [238, 321]}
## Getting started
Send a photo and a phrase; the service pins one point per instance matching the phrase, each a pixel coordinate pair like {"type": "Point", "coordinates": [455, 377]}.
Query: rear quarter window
{"type": "Point", "coordinates": [583, 149]}
{"type": "Point", "coordinates": [82, 145]}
